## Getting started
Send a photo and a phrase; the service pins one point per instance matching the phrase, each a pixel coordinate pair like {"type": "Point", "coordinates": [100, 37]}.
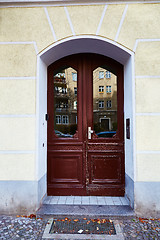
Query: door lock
{"type": "Point", "coordinates": [90, 131]}
{"type": "Point", "coordinates": [87, 181]}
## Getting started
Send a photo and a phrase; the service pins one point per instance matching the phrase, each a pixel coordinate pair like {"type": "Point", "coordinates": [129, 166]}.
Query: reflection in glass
{"type": "Point", "coordinates": [65, 102]}
{"type": "Point", "coordinates": [104, 103]}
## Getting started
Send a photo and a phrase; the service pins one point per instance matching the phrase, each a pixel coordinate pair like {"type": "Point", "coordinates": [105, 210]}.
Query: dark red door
{"type": "Point", "coordinates": [85, 127]}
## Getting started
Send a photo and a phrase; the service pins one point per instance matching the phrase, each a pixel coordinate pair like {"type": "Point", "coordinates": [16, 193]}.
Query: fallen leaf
{"type": "Point", "coordinates": [103, 220]}
{"type": "Point", "coordinates": [75, 220]}
{"type": "Point", "coordinates": [66, 219]}
{"type": "Point", "coordinates": [32, 216]}
{"type": "Point", "coordinates": [88, 222]}
{"type": "Point", "coordinates": [84, 218]}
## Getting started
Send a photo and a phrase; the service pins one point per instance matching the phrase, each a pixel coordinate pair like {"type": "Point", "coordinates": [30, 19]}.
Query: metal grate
{"type": "Point", "coordinates": [82, 226]}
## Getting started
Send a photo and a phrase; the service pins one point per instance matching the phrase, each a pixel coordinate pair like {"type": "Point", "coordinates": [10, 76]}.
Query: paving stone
{"type": "Point", "coordinates": [22, 228]}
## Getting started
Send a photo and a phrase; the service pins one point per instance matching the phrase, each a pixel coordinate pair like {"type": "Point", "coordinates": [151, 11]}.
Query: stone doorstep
{"type": "Point", "coordinates": [85, 210]}
{"type": "Point", "coordinates": [117, 236]}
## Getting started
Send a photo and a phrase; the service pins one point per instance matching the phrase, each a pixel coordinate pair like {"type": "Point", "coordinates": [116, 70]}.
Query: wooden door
{"type": "Point", "coordinates": [85, 157]}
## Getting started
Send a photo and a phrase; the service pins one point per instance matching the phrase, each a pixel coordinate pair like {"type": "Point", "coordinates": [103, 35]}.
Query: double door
{"type": "Point", "coordinates": [85, 153]}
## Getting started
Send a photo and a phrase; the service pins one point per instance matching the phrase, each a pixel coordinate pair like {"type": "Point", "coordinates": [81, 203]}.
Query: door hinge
{"type": "Point", "coordinates": [46, 116]}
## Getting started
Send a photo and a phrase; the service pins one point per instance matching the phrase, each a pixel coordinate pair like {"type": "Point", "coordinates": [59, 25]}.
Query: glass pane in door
{"type": "Point", "coordinates": [104, 103]}
{"type": "Point", "coordinates": [65, 102]}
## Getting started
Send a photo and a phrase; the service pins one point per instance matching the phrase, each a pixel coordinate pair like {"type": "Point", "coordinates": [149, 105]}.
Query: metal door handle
{"type": "Point", "coordinates": [90, 131]}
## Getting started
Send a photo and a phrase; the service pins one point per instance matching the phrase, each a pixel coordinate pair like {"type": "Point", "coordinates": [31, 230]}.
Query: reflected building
{"type": "Point", "coordinates": [65, 101]}
{"type": "Point", "coordinates": [104, 100]}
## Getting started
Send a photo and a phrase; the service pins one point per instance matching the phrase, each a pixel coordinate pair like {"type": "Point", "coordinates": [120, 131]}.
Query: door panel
{"type": "Point", "coordinates": [78, 165]}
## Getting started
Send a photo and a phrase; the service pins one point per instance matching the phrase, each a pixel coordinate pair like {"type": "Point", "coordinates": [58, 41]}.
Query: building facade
{"type": "Point", "coordinates": [35, 37]}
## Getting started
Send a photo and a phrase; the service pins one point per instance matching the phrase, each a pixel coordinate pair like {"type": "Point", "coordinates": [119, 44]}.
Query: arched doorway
{"type": "Point", "coordinates": [87, 44]}
{"type": "Point", "coordinates": [85, 153]}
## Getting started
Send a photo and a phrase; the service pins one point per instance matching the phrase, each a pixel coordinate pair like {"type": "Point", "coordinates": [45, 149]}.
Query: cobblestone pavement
{"type": "Point", "coordinates": [141, 228]}
{"type": "Point", "coordinates": [23, 227]}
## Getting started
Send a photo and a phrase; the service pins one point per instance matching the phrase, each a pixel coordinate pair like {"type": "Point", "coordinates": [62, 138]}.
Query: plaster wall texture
{"type": "Point", "coordinates": [25, 24]}
{"type": "Point", "coordinates": [147, 95]}
{"type": "Point", "coordinates": [27, 31]}
{"type": "Point", "coordinates": [17, 96]}
{"type": "Point", "coordinates": [22, 164]}
{"type": "Point", "coordinates": [58, 17]}
{"type": "Point", "coordinates": [17, 134]}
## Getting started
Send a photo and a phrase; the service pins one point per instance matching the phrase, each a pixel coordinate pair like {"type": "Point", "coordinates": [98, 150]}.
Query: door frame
{"type": "Point", "coordinates": [92, 44]}
{"type": "Point", "coordinates": [63, 152]}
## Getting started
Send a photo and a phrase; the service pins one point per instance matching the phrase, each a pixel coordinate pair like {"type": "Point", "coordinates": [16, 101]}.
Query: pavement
{"type": "Point", "coordinates": [33, 227]}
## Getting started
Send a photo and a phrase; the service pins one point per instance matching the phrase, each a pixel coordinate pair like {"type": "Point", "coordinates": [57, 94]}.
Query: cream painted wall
{"type": "Point", "coordinates": [148, 166]}
{"type": "Point", "coordinates": [25, 32]}
{"type": "Point", "coordinates": [17, 134]}
{"type": "Point", "coordinates": [147, 58]}
{"type": "Point", "coordinates": [21, 164]}
{"type": "Point", "coordinates": [141, 22]}
{"type": "Point", "coordinates": [111, 20]}
{"type": "Point", "coordinates": [17, 60]}
{"type": "Point", "coordinates": [147, 131]}
{"type": "Point", "coordinates": [59, 22]}
{"type": "Point", "coordinates": [17, 96]}
{"type": "Point", "coordinates": [25, 24]}
{"type": "Point", "coordinates": [147, 95]}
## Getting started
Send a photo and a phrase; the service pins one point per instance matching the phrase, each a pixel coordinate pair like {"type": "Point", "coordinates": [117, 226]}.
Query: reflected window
{"type": "Point", "coordinates": [101, 74]}
{"type": "Point", "coordinates": [65, 119]}
{"type": "Point", "coordinates": [101, 89]}
{"type": "Point", "coordinates": [74, 76]}
{"type": "Point", "coordinates": [108, 89]}
{"type": "Point", "coordinates": [75, 105]}
{"type": "Point", "coordinates": [101, 104]}
{"type": "Point", "coordinates": [58, 119]}
{"type": "Point", "coordinates": [108, 74]}
{"type": "Point", "coordinates": [109, 103]}
{"type": "Point", "coordinates": [75, 91]}
{"type": "Point", "coordinates": [65, 102]}
{"type": "Point", "coordinates": [104, 105]}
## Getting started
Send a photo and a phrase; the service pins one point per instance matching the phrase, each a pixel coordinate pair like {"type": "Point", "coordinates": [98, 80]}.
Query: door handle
{"type": "Point", "coordinates": [90, 131]}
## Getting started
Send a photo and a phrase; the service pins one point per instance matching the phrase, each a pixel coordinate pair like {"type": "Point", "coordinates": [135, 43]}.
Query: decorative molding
{"type": "Point", "coordinates": [21, 43]}
{"type": "Point", "coordinates": [16, 152]}
{"type": "Point", "coordinates": [18, 116]}
{"type": "Point", "coordinates": [17, 78]}
{"type": "Point", "coordinates": [50, 24]}
{"type": "Point", "coordinates": [148, 114]}
{"type": "Point", "coordinates": [101, 20]}
{"type": "Point", "coordinates": [36, 3]}
{"type": "Point", "coordinates": [145, 40]}
{"type": "Point", "coordinates": [148, 152]}
{"type": "Point", "coordinates": [148, 76]}
{"type": "Point", "coordinates": [121, 22]}
{"type": "Point", "coordinates": [89, 37]}
{"type": "Point", "coordinates": [69, 21]}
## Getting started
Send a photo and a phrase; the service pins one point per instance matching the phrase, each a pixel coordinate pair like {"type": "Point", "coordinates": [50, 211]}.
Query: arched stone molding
{"type": "Point", "coordinates": [83, 44]}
